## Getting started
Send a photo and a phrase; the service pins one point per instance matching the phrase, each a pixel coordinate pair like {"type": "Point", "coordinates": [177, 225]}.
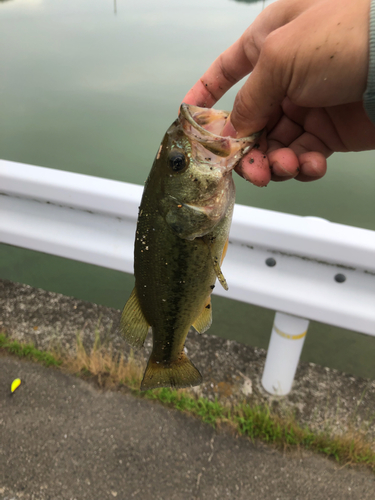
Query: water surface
{"type": "Point", "coordinates": [90, 86]}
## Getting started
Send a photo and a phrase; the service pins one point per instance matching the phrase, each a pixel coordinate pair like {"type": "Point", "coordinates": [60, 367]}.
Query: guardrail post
{"type": "Point", "coordinates": [284, 350]}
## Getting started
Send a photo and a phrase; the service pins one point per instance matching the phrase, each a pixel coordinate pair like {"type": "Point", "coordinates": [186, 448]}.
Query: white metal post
{"type": "Point", "coordinates": [284, 350]}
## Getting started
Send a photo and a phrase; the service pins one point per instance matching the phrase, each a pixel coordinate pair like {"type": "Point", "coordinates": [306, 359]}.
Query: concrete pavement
{"type": "Point", "coordinates": [61, 438]}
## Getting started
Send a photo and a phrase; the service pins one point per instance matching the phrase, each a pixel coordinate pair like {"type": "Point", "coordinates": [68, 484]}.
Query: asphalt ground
{"type": "Point", "coordinates": [62, 438]}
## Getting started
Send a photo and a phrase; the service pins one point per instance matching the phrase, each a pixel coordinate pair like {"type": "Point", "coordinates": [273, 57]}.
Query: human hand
{"type": "Point", "coordinates": [309, 62]}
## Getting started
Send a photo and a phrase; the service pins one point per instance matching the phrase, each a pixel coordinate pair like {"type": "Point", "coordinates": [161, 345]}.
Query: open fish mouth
{"type": "Point", "coordinates": [204, 126]}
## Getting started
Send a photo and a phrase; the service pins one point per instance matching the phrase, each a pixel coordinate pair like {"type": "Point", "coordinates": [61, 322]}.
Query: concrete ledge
{"type": "Point", "coordinates": [321, 397]}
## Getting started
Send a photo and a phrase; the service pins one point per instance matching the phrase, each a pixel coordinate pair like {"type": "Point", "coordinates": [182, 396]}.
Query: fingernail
{"type": "Point", "coordinates": [229, 130]}
{"type": "Point", "coordinates": [280, 170]}
{"type": "Point", "coordinates": [309, 168]}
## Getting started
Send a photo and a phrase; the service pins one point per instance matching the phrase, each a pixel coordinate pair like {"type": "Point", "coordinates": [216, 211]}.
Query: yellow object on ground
{"type": "Point", "coordinates": [16, 383]}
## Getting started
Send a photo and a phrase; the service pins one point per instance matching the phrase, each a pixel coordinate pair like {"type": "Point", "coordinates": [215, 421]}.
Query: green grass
{"type": "Point", "coordinates": [210, 412]}
{"type": "Point", "coordinates": [255, 422]}
{"type": "Point", "coordinates": [28, 351]}
{"type": "Point", "coordinates": [258, 422]}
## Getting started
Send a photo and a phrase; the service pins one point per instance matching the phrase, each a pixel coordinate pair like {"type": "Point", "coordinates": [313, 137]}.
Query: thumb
{"type": "Point", "coordinates": [261, 95]}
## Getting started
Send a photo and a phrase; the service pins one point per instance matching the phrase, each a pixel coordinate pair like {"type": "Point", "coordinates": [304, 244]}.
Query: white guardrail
{"type": "Point", "coordinates": [304, 267]}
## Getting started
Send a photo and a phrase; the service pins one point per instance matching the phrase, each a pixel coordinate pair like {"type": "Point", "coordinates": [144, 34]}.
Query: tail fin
{"type": "Point", "coordinates": [177, 374]}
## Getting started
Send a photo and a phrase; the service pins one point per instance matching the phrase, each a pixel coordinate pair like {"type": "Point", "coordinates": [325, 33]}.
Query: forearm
{"type": "Point", "coordinates": [369, 95]}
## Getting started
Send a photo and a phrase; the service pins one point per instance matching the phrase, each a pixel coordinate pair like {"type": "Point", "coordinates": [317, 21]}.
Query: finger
{"type": "Point", "coordinates": [316, 121]}
{"type": "Point", "coordinates": [262, 92]}
{"type": "Point", "coordinates": [198, 95]}
{"type": "Point", "coordinates": [306, 167]}
{"type": "Point", "coordinates": [284, 164]}
{"type": "Point", "coordinates": [313, 166]}
{"type": "Point", "coordinates": [254, 167]}
{"type": "Point", "coordinates": [228, 69]}
{"type": "Point", "coordinates": [240, 58]}
{"type": "Point", "coordinates": [284, 133]}
{"type": "Point", "coordinates": [307, 143]}
{"type": "Point", "coordinates": [304, 160]}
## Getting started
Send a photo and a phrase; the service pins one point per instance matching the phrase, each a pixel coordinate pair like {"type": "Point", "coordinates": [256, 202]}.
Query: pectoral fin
{"type": "Point", "coordinates": [133, 324]}
{"type": "Point", "coordinates": [189, 221]}
{"type": "Point", "coordinates": [204, 320]}
{"type": "Point", "coordinates": [215, 261]}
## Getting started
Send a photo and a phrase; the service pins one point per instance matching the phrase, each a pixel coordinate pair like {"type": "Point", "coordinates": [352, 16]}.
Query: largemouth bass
{"type": "Point", "coordinates": [181, 238]}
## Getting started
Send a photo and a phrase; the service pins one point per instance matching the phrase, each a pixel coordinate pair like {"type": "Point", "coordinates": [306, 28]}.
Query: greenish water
{"type": "Point", "coordinates": [87, 89]}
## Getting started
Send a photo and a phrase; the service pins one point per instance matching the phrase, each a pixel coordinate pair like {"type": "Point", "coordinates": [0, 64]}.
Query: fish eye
{"type": "Point", "coordinates": [177, 161]}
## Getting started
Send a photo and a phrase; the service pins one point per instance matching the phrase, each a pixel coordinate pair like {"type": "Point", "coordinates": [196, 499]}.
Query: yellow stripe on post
{"type": "Point", "coordinates": [288, 336]}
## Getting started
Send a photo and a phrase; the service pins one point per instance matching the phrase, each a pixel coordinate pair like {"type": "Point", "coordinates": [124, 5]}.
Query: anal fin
{"type": "Point", "coordinates": [204, 320]}
{"type": "Point", "coordinates": [133, 324]}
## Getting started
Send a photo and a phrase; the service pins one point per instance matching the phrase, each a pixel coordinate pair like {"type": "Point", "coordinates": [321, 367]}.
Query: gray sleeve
{"type": "Point", "coordinates": [369, 95]}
